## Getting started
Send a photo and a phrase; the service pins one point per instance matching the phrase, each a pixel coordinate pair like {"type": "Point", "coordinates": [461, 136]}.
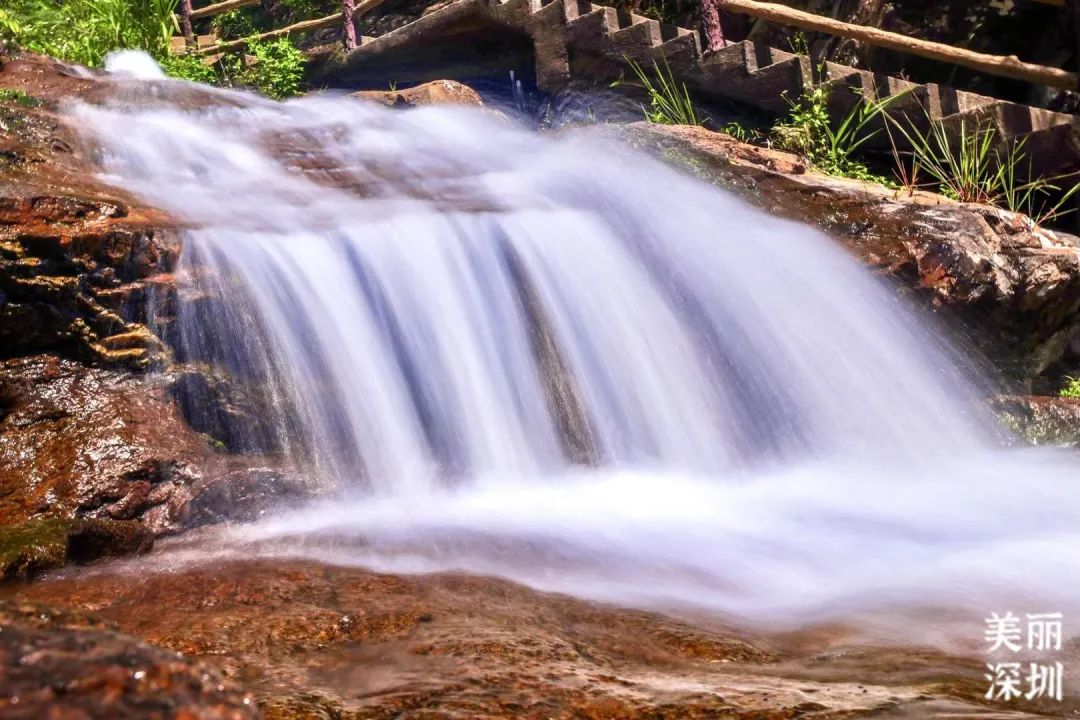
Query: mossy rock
{"type": "Point", "coordinates": [32, 547]}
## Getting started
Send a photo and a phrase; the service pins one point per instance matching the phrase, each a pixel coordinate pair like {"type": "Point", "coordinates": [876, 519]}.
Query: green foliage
{"type": "Point", "coordinates": [1071, 389]}
{"type": "Point", "coordinates": [235, 24]}
{"type": "Point", "coordinates": [277, 70]}
{"type": "Point", "coordinates": [964, 169]}
{"type": "Point", "coordinates": [742, 133]}
{"type": "Point", "coordinates": [10, 29]}
{"type": "Point", "coordinates": [809, 132]}
{"type": "Point", "coordinates": [84, 31]}
{"type": "Point", "coordinates": [18, 96]}
{"type": "Point", "coordinates": [669, 101]}
{"type": "Point", "coordinates": [974, 166]}
{"type": "Point", "coordinates": [188, 66]}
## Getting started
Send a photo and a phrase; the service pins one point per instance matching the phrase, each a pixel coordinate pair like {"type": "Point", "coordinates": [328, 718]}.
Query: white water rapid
{"type": "Point", "coordinates": [555, 360]}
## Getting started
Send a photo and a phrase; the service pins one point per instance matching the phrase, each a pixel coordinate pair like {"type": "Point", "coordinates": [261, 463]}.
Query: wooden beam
{"type": "Point", "coordinates": [306, 26]}
{"type": "Point", "coordinates": [218, 8]}
{"type": "Point", "coordinates": [1005, 66]}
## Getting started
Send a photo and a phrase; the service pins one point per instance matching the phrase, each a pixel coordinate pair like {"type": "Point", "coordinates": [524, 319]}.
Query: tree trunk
{"type": "Point", "coordinates": [185, 25]}
{"type": "Point", "coordinates": [710, 25]}
{"type": "Point", "coordinates": [348, 13]}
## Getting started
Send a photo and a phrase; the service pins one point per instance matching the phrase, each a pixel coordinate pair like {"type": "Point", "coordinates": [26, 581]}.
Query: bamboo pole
{"type": "Point", "coordinates": [221, 7]}
{"type": "Point", "coordinates": [1006, 66]}
{"type": "Point", "coordinates": [306, 26]}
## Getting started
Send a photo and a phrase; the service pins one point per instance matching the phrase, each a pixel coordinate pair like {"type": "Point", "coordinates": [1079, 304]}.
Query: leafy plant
{"type": "Point", "coordinates": [809, 131]}
{"type": "Point", "coordinates": [742, 133]}
{"type": "Point", "coordinates": [188, 66]}
{"type": "Point", "coordinates": [85, 31]}
{"type": "Point", "coordinates": [277, 69]}
{"type": "Point", "coordinates": [669, 100]}
{"type": "Point", "coordinates": [1071, 389]}
{"type": "Point", "coordinates": [234, 24]}
{"type": "Point", "coordinates": [9, 27]}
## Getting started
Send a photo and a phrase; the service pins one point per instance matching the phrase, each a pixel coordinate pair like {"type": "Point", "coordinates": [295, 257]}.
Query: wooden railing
{"type": "Point", "coordinates": [1006, 66]}
{"type": "Point", "coordinates": [350, 13]}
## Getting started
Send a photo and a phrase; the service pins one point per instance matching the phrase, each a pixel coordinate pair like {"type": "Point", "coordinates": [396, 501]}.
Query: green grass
{"type": "Point", "coordinates": [669, 100]}
{"type": "Point", "coordinates": [85, 31]}
{"type": "Point", "coordinates": [19, 97]}
{"type": "Point", "coordinates": [974, 165]}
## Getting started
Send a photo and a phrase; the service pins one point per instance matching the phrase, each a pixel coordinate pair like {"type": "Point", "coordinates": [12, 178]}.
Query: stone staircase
{"type": "Point", "coordinates": [579, 40]}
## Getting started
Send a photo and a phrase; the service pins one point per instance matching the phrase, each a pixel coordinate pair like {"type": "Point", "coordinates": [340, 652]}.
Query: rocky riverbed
{"type": "Point", "coordinates": [110, 443]}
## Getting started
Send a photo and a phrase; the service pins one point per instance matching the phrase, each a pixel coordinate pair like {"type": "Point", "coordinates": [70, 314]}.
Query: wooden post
{"type": "Point", "coordinates": [185, 25]}
{"type": "Point", "coordinates": [711, 30]}
{"type": "Point", "coordinates": [348, 13]}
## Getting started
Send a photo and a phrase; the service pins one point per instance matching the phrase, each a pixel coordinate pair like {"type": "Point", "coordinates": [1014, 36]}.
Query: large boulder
{"type": "Point", "coordinates": [436, 92]}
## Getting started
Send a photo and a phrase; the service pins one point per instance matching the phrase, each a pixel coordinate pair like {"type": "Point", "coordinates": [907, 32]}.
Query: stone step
{"type": "Point", "coordinates": [594, 26]}
{"type": "Point", "coordinates": [638, 40]}
{"type": "Point", "coordinates": [681, 53]}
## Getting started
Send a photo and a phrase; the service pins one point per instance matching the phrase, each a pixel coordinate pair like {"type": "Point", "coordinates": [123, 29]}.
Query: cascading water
{"type": "Point", "coordinates": [552, 359]}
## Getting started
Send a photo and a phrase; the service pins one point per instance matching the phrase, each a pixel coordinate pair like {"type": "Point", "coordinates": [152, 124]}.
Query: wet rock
{"type": "Point", "coordinates": [1040, 420]}
{"type": "Point", "coordinates": [243, 496]}
{"type": "Point", "coordinates": [227, 410]}
{"type": "Point", "coordinates": [67, 666]}
{"type": "Point", "coordinates": [33, 547]}
{"type": "Point", "coordinates": [312, 641]}
{"type": "Point", "coordinates": [1009, 289]}
{"type": "Point", "coordinates": [93, 443]}
{"type": "Point", "coordinates": [436, 92]}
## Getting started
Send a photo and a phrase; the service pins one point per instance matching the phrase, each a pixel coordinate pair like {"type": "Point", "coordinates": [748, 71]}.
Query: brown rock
{"type": "Point", "coordinates": [311, 640]}
{"type": "Point", "coordinates": [86, 442]}
{"type": "Point", "coordinates": [66, 666]}
{"type": "Point", "coordinates": [1040, 420]}
{"type": "Point", "coordinates": [436, 92]}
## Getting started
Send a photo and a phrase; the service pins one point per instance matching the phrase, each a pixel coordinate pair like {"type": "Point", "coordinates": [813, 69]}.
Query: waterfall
{"type": "Point", "coordinates": [550, 358]}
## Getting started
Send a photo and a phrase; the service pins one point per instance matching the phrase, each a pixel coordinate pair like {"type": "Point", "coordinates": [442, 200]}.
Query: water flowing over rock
{"type": "Point", "coordinates": [1010, 290]}
{"type": "Point", "coordinates": [548, 360]}
{"type": "Point", "coordinates": [554, 360]}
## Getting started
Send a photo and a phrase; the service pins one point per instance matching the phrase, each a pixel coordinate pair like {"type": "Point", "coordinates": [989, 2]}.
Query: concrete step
{"type": "Point", "coordinates": [638, 40]}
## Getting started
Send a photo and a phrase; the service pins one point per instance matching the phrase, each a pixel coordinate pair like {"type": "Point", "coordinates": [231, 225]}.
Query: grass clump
{"type": "Point", "coordinates": [19, 97]}
{"type": "Point", "coordinates": [974, 165]}
{"type": "Point", "coordinates": [669, 100]}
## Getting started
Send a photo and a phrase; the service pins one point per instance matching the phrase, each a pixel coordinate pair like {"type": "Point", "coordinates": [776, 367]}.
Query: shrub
{"type": "Point", "coordinates": [1071, 389]}
{"type": "Point", "coordinates": [188, 66]}
{"type": "Point", "coordinates": [277, 70]}
{"type": "Point", "coordinates": [85, 31]}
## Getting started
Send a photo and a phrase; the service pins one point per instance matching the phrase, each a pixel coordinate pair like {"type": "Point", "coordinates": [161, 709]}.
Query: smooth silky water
{"type": "Point", "coordinates": [431, 301]}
